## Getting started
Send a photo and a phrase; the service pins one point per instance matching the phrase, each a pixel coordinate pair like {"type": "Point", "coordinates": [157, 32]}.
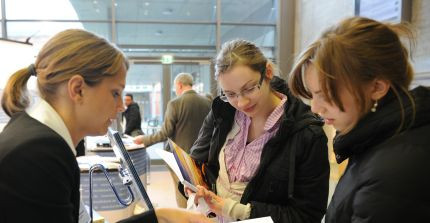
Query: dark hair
{"type": "Point", "coordinates": [353, 53]}
{"type": "Point", "coordinates": [129, 95]}
{"type": "Point", "coordinates": [68, 53]}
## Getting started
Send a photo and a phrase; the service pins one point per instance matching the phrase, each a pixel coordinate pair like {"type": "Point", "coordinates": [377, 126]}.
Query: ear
{"type": "Point", "coordinates": [379, 89]}
{"type": "Point", "coordinates": [75, 88]}
{"type": "Point", "coordinates": [269, 71]}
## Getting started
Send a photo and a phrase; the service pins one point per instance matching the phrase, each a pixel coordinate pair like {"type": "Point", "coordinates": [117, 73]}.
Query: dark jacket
{"type": "Point", "coordinates": [132, 118]}
{"type": "Point", "coordinates": [291, 183]}
{"type": "Point", "coordinates": [39, 175]}
{"type": "Point", "coordinates": [388, 174]}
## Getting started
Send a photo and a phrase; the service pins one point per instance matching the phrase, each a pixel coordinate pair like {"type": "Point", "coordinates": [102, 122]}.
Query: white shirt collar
{"type": "Point", "coordinates": [46, 114]}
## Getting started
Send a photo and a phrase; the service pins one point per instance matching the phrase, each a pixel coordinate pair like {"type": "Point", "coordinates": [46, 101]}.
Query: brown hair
{"type": "Point", "coordinates": [239, 52]}
{"type": "Point", "coordinates": [353, 53]}
{"type": "Point", "coordinates": [68, 53]}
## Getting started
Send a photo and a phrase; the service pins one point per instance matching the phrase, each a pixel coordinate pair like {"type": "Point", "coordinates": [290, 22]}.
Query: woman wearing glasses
{"type": "Point", "coordinates": [262, 151]}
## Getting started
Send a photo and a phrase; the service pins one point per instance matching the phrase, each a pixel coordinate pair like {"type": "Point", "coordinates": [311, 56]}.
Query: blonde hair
{"type": "Point", "coordinates": [353, 53]}
{"type": "Point", "coordinates": [68, 53]}
{"type": "Point", "coordinates": [240, 52]}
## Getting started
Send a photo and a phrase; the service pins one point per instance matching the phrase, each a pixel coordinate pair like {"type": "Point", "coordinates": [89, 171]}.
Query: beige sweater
{"type": "Point", "coordinates": [231, 191]}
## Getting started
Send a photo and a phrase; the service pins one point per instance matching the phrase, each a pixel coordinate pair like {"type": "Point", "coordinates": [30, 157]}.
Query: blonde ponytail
{"type": "Point", "coordinates": [15, 95]}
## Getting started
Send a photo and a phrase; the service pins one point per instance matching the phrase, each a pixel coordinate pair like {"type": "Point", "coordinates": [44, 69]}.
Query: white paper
{"type": "Point", "coordinates": [92, 141]}
{"type": "Point", "coordinates": [267, 219]}
{"type": "Point", "coordinates": [169, 158]}
{"type": "Point", "coordinates": [202, 207]}
{"type": "Point", "coordinates": [84, 216]}
{"type": "Point", "coordinates": [85, 162]}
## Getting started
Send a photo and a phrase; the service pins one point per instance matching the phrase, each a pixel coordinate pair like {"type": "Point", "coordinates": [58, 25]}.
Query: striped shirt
{"type": "Point", "coordinates": [242, 160]}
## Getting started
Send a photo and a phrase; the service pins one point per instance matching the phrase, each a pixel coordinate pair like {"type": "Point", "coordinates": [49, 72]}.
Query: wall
{"type": "Point", "coordinates": [314, 16]}
{"type": "Point", "coordinates": [421, 55]}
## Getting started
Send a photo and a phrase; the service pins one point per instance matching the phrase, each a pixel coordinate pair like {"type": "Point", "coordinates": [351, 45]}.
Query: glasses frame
{"type": "Point", "coordinates": [224, 98]}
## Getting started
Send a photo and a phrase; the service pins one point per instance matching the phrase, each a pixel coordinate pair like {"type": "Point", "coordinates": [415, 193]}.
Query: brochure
{"type": "Point", "coordinates": [183, 166]}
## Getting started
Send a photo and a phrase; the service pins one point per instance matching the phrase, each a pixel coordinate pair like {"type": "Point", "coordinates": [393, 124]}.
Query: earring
{"type": "Point", "coordinates": [375, 105]}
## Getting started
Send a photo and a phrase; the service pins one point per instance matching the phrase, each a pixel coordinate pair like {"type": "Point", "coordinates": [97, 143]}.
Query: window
{"type": "Point", "coordinates": [256, 11]}
{"type": "Point", "coordinates": [166, 10]}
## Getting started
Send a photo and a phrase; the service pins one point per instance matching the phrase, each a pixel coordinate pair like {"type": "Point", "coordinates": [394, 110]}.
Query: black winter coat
{"type": "Point", "coordinates": [291, 183]}
{"type": "Point", "coordinates": [388, 175]}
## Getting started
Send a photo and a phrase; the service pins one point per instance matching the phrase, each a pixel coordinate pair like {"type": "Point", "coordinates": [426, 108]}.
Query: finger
{"type": "Point", "coordinates": [200, 193]}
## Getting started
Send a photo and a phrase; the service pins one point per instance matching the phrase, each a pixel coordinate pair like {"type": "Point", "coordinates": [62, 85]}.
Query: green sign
{"type": "Point", "coordinates": [167, 59]}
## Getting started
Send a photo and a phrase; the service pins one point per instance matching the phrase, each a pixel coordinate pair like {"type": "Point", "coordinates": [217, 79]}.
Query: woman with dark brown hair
{"type": "Point", "coordinates": [357, 75]}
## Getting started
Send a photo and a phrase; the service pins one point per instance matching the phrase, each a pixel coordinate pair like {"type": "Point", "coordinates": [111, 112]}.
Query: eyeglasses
{"type": "Point", "coordinates": [247, 92]}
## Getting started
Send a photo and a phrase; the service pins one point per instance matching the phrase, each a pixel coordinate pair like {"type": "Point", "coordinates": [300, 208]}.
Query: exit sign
{"type": "Point", "coordinates": [166, 59]}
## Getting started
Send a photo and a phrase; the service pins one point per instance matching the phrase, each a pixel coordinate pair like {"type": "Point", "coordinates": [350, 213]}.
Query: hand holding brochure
{"type": "Point", "coordinates": [183, 165]}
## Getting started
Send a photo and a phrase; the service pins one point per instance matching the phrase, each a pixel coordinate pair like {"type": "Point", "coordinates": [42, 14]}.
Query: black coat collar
{"type": "Point", "coordinates": [375, 128]}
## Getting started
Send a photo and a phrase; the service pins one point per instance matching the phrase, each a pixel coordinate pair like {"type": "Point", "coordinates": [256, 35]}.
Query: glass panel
{"type": "Point", "coordinates": [92, 9]}
{"type": "Point", "coordinates": [145, 52]}
{"type": "Point", "coordinates": [262, 36]}
{"type": "Point", "coordinates": [40, 32]}
{"type": "Point", "coordinates": [144, 81]}
{"type": "Point", "coordinates": [166, 10]}
{"type": "Point", "coordinates": [261, 11]}
{"type": "Point", "coordinates": [59, 9]}
{"type": "Point", "coordinates": [170, 34]}
{"type": "Point", "coordinates": [200, 73]}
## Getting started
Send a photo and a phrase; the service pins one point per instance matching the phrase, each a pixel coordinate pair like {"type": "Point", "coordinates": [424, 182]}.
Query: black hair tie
{"type": "Point", "coordinates": [32, 70]}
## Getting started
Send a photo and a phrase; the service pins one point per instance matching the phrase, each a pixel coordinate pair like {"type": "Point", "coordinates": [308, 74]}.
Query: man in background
{"type": "Point", "coordinates": [184, 117]}
{"type": "Point", "coordinates": [132, 117]}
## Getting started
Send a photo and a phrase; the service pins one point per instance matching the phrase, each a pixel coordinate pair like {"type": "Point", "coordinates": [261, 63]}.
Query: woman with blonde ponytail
{"type": "Point", "coordinates": [357, 75]}
{"type": "Point", "coordinates": [80, 78]}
